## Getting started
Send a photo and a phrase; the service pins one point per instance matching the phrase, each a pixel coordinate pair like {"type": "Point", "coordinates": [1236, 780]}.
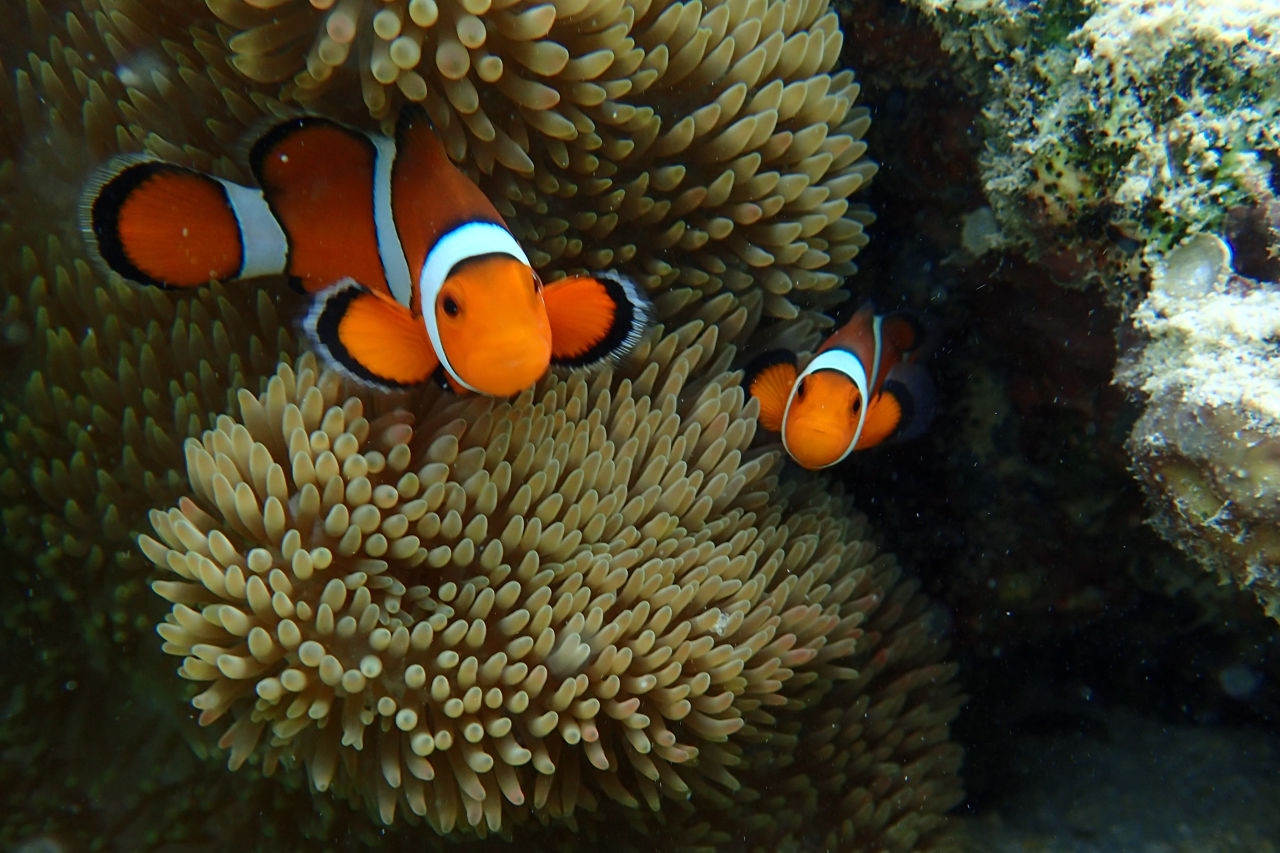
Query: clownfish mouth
{"type": "Point", "coordinates": [507, 370]}
{"type": "Point", "coordinates": [815, 445]}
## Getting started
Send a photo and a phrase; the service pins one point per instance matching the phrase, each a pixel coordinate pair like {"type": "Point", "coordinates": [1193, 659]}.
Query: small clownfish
{"type": "Point", "coordinates": [413, 271]}
{"type": "Point", "coordinates": [861, 388]}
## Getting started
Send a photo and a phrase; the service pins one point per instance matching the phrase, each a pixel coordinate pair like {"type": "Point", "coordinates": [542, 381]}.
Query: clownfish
{"type": "Point", "coordinates": [862, 387]}
{"type": "Point", "coordinates": [413, 272]}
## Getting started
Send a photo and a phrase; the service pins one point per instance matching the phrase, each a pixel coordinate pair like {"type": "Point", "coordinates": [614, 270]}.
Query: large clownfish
{"type": "Point", "coordinates": [861, 388]}
{"type": "Point", "coordinates": [414, 272]}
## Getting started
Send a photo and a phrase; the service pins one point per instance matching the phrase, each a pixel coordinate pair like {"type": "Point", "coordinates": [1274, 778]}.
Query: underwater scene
{"type": "Point", "coordinates": [690, 425]}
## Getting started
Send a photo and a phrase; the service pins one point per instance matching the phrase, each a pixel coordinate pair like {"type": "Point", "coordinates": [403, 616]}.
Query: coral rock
{"type": "Point", "coordinates": [1117, 119]}
{"type": "Point", "coordinates": [1208, 445]}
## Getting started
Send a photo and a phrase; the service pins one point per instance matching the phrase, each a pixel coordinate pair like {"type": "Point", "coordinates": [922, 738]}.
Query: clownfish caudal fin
{"type": "Point", "coordinates": [371, 337]}
{"type": "Point", "coordinates": [594, 318]}
{"type": "Point", "coordinates": [769, 378]}
{"type": "Point", "coordinates": [913, 391]}
{"type": "Point", "coordinates": [168, 226]}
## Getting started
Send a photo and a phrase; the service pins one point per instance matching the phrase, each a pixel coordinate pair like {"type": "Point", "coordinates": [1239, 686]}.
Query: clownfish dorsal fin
{"type": "Point", "coordinates": [371, 336]}
{"type": "Point", "coordinates": [430, 196]}
{"type": "Point", "coordinates": [318, 177]}
{"type": "Point", "coordinates": [168, 226]}
{"type": "Point", "coordinates": [593, 318]}
{"type": "Point", "coordinates": [769, 378]}
{"type": "Point", "coordinates": [902, 331]}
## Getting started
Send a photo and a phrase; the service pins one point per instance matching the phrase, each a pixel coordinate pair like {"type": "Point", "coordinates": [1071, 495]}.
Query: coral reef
{"type": "Point", "coordinates": [835, 727]}
{"type": "Point", "coordinates": [100, 88]}
{"type": "Point", "coordinates": [721, 132]}
{"type": "Point", "coordinates": [1207, 446]}
{"type": "Point", "coordinates": [1117, 124]}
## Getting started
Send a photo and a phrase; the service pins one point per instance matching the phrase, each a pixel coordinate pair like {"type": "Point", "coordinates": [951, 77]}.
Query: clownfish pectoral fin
{"type": "Point", "coordinates": [884, 416]}
{"type": "Point", "coordinates": [769, 378]}
{"type": "Point", "coordinates": [168, 226]}
{"type": "Point", "coordinates": [371, 337]}
{"type": "Point", "coordinates": [593, 318]}
{"type": "Point", "coordinates": [913, 391]}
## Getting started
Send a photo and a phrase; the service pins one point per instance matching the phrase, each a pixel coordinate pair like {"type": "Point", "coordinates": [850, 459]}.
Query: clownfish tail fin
{"type": "Point", "coordinates": [370, 337]}
{"type": "Point", "coordinates": [594, 318]}
{"type": "Point", "coordinates": [769, 378]}
{"type": "Point", "coordinates": [910, 385]}
{"type": "Point", "coordinates": [169, 226]}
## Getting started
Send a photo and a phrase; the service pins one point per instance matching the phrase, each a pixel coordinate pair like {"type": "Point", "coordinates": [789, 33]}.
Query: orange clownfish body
{"type": "Point", "coordinates": [413, 270]}
{"type": "Point", "coordinates": [861, 388]}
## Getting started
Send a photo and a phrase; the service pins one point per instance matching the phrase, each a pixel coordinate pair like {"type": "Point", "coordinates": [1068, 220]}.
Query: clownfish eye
{"type": "Point", "coordinates": [857, 405]}
{"type": "Point", "coordinates": [800, 389]}
{"type": "Point", "coordinates": [450, 306]}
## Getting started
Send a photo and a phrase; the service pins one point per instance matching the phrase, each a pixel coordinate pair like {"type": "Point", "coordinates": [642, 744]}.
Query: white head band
{"type": "Point", "coordinates": [843, 362]}
{"type": "Point", "coordinates": [466, 241]}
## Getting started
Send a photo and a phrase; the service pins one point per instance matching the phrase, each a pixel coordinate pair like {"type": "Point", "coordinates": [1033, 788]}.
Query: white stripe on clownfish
{"type": "Point", "coordinates": [264, 244]}
{"type": "Point", "coordinates": [394, 264]}
{"type": "Point", "coordinates": [470, 240]}
{"type": "Point", "coordinates": [846, 363]}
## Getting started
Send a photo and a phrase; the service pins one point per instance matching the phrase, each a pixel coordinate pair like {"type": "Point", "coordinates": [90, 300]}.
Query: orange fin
{"type": "Point", "coordinates": [884, 415]}
{"type": "Point", "coordinates": [163, 225]}
{"type": "Point", "coordinates": [770, 378]}
{"type": "Point", "coordinates": [371, 337]}
{"type": "Point", "coordinates": [317, 175]}
{"type": "Point", "coordinates": [593, 318]}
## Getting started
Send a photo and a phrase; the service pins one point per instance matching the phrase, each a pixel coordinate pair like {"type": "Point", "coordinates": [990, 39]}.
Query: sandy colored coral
{"type": "Point", "coordinates": [581, 599]}
{"type": "Point", "coordinates": [718, 131]}
{"type": "Point", "coordinates": [1207, 444]}
{"type": "Point", "coordinates": [1138, 121]}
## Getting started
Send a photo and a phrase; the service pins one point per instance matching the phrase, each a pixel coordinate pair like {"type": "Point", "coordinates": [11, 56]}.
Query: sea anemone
{"type": "Point", "coordinates": [106, 381]}
{"type": "Point", "coordinates": [93, 436]}
{"type": "Point", "coordinates": [718, 131]}
{"type": "Point", "coordinates": [585, 597]}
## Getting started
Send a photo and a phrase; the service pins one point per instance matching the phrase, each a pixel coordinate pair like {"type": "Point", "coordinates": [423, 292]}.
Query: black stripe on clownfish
{"type": "Point", "coordinates": [861, 388]}
{"type": "Point", "coordinates": [411, 268]}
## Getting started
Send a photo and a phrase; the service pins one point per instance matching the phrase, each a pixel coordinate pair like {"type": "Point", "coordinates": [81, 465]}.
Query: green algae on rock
{"type": "Point", "coordinates": [1118, 119]}
{"type": "Point", "coordinates": [1208, 444]}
